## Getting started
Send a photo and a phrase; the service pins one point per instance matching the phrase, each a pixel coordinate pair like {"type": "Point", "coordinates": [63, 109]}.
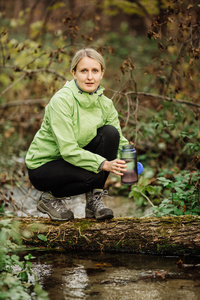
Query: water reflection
{"type": "Point", "coordinates": [115, 276]}
{"type": "Point", "coordinates": [75, 282]}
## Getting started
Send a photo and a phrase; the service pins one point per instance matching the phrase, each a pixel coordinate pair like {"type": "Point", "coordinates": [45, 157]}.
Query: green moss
{"type": "Point", "coordinates": [83, 225]}
{"type": "Point", "coordinates": [36, 227]}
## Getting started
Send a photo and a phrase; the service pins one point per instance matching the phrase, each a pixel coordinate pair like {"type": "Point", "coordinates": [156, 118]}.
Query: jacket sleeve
{"type": "Point", "coordinates": [113, 119]}
{"type": "Point", "coordinates": [61, 112]}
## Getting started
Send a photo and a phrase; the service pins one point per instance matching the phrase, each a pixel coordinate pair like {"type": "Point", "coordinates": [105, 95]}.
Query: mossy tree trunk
{"type": "Point", "coordinates": [162, 236]}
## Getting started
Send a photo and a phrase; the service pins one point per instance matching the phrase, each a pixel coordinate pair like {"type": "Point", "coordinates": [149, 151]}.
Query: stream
{"type": "Point", "coordinates": [115, 277]}
{"type": "Point", "coordinates": [108, 276]}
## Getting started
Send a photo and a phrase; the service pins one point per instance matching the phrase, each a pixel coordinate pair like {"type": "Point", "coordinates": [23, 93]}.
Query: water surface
{"type": "Point", "coordinates": [116, 276]}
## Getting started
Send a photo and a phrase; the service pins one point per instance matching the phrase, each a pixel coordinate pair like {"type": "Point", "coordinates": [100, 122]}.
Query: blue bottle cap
{"type": "Point", "coordinates": [139, 167]}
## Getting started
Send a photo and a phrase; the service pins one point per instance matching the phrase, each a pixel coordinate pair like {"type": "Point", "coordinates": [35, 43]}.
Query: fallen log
{"type": "Point", "coordinates": [178, 235]}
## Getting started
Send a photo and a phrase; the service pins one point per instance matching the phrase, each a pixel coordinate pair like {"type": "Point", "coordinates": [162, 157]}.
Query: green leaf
{"type": "Point", "coordinates": [24, 276]}
{"type": "Point", "coordinates": [29, 256]}
{"type": "Point", "coordinates": [41, 294]}
{"type": "Point", "coordinates": [15, 259]}
{"type": "Point", "coordinates": [2, 209]}
{"type": "Point", "coordinates": [5, 222]}
{"type": "Point", "coordinates": [135, 194]}
{"type": "Point", "coordinates": [164, 181]}
{"type": "Point", "coordinates": [150, 189]}
{"type": "Point", "coordinates": [42, 237]}
{"type": "Point", "coordinates": [29, 264]}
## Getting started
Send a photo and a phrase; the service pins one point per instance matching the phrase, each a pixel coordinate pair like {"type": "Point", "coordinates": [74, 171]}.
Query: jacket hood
{"type": "Point", "coordinates": [85, 99]}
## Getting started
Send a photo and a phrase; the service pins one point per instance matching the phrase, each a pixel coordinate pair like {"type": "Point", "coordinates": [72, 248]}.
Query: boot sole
{"type": "Point", "coordinates": [90, 215]}
{"type": "Point", "coordinates": [52, 217]}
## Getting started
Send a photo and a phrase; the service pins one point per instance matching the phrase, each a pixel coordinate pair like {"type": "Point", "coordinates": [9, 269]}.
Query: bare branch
{"type": "Point", "coordinates": [136, 118]}
{"type": "Point", "coordinates": [128, 109]}
{"type": "Point", "coordinates": [29, 72]}
{"type": "Point", "coordinates": [51, 71]}
{"type": "Point", "coordinates": [186, 102]}
{"type": "Point", "coordinates": [24, 102]}
{"type": "Point", "coordinates": [13, 84]}
{"type": "Point", "coordinates": [2, 52]}
{"type": "Point", "coordinates": [45, 100]}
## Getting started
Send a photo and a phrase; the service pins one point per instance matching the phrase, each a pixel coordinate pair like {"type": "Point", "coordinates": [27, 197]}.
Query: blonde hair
{"type": "Point", "coordinates": [89, 52]}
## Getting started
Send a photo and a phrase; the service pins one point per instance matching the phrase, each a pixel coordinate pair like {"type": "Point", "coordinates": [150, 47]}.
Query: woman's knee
{"type": "Point", "coordinates": [109, 131]}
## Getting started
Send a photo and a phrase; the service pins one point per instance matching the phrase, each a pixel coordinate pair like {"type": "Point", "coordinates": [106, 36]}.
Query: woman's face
{"type": "Point", "coordinates": [88, 74]}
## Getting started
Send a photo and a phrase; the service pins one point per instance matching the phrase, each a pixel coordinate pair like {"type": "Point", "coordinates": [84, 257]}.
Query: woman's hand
{"type": "Point", "coordinates": [115, 166]}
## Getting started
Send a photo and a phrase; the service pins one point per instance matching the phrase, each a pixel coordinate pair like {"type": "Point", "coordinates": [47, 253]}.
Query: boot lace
{"type": "Point", "coordinates": [97, 202]}
{"type": "Point", "coordinates": [59, 205]}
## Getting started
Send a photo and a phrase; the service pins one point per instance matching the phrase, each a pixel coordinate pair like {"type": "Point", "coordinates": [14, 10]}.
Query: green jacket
{"type": "Point", "coordinates": [71, 120]}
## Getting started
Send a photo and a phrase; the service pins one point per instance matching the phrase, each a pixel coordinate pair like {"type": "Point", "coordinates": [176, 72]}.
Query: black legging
{"type": "Point", "coordinates": [64, 179]}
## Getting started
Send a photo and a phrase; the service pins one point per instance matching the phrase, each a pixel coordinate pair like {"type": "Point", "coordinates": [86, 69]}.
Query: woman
{"type": "Point", "coordinates": [78, 142]}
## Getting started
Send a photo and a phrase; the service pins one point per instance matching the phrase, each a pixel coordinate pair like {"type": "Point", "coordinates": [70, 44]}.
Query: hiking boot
{"type": "Point", "coordinates": [95, 207]}
{"type": "Point", "coordinates": [56, 208]}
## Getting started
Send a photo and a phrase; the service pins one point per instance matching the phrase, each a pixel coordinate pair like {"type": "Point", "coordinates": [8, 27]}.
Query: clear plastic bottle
{"type": "Point", "coordinates": [128, 153]}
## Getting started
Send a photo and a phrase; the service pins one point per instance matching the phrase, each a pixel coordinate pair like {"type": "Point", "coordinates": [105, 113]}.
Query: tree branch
{"type": "Point", "coordinates": [45, 100]}
{"type": "Point", "coordinates": [51, 71]}
{"type": "Point", "coordinates": [29, 72]}
{"type": "Point", "coordinates": [11, 85]}
{"type": "Point", "coordinates": [186, 102]}
{"type": "Point", "coordinates": [23, 102]}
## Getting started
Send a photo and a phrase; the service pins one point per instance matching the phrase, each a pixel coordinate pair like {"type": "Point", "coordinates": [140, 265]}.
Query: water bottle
{"type": "Point", "coordinates": [128, 153]}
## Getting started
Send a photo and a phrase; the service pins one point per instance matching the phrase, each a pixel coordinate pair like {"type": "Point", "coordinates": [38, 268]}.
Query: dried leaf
{"type": "Point", "coordinates": [122, 68]}
{"type": "Point", "coordinates": [9, 132]}
{"type": "Point", "coordinates": [190, 6]}
{"type": "Point", "coordinates": [152, 34]}
{"type": "Point", "coordinates": [160, 46]}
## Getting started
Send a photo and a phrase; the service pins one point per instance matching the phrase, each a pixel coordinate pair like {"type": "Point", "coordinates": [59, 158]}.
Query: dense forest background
{"type": "Point", "coordinates": [151, 50]}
